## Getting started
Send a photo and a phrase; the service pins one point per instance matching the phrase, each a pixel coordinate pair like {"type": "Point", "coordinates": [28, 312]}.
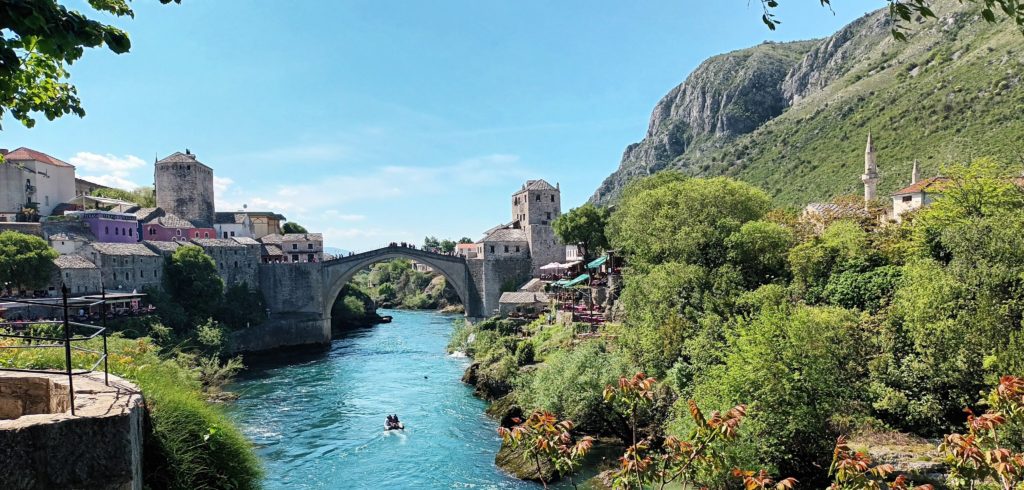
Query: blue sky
{"type": "Point", "coordinates": [376, 121]}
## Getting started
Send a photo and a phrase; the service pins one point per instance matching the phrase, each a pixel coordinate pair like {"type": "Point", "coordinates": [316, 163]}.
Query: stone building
{"type": "Point", "coordinates": [32, 178]}
{"type": "Point", "coordinates": [126, 266]}
{"type": "Point", "coordinates": [68, 236]}
{"type": "Point", "coordinates": [184, 187]}
{"type": "Point", "coordinates": [85, 188]}
{"type": "Point", "coordinates": [467, 250]}
{"type": "Point", "coordinates": [77, 273]}
{"type": "Point", "coordinates": [293, 247]}
{"type": "Point", "coordinates": [252, 224]}
{"type": "Point", "coordinates": [534, 207]}
{"type": "Point", "coordinates": [236, 262]}
{"type": "Point", "coordinates": [504, 243]}
{"type": "Point", "coordinates": [164, 249]}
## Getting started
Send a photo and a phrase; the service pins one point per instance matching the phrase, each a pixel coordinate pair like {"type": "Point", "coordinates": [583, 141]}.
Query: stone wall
{"type": "Point", "coordinates": [236, 263]}
{"type": "Point", "coordinates": [490, 276]}
{"type": "Point", "coordinates": [98, 448]}
{"type": "Point", "coordinates": [186, 190]}
{"type": "Point", "coordinates": [31, 395]}
{"type": "Point", "coordinates": [295, 296]}
{"type": "Point", "coordinates": [545, 247]}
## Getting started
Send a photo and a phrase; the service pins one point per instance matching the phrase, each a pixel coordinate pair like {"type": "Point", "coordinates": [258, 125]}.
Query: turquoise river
{"type": "Point", "coordinates": [317, 419]}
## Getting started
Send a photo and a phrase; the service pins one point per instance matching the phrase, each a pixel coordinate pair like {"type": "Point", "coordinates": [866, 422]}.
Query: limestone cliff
{"type": "Point", "coordinates": [792, 118]}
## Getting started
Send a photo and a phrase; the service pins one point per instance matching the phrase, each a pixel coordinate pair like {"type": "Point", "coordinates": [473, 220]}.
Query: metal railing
{"type": "Point", "coordinates": [66, 341]}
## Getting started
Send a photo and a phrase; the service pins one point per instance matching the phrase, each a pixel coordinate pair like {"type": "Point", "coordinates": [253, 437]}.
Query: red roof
{"type": "Point", "coordinates": [461, 246]}
{"type": "Point", "coordinates": [933, 184]}
{"type": "Point", "coordinates": [24, 154]}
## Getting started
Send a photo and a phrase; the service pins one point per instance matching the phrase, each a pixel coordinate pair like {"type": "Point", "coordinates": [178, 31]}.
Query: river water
{"type": "Point", "coordinates": [317, 420]}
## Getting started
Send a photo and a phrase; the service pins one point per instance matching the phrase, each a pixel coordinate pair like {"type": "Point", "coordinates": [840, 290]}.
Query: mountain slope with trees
{"type": "Point", "coordinates": [949, 93]}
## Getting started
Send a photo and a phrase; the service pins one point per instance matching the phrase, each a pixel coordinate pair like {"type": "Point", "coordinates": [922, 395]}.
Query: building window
{"type": "Point", "coordinates": [236, 264]}
{"type": "Point", "coordinates": [548, 214]}
{"type": "Point", "coordinates": [178, 231]}
{"type": "Point", "coordinates": [492, 248]}
{"type": "Point", "coordinates": [129, 232]}
{"type": "Point", "coordinates": [309, 257]}
{"type": "Point", "coordinates": [225, 234]}
{"type": "Point", "coordinates": [517, 248]}
{"type": "Point", "coordinates": [232, 233]}
{"type": "Point", "coordinates": [538, 197]}
{"type": "Point", "coordinates": [142, 273]}
{"type": "Point", "coordinates": [106, 230]}
{"type": "Point", "coordinates": [117, 231]}
{"type": "Point", "coordinates": [506, 248]}
{"type": "Point", "coordinates": [152, 231]}
{"type": "Point", "coordinates": [309, 246]}
{"type": "Point", "coordinates": [295, 246]}
{"type": "Point", "coordinates": [552, 198]}
{"type": "Point", "coordinates": [908, 198]}
{"type": "Point", "coordinates": [295, 257]}
{"type": "Point", "coordinates": [126, 276]}
{"type": "Point", "coordinates": [206, 234]}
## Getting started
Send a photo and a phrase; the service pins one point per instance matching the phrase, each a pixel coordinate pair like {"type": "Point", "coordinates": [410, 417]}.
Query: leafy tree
{"type": "Point", "coordinates": [465, 240]}
{"type": "Point", "coordinates": [39, 40]}
{"type": "Point", "coordinates": [447, 246]}
{"type": "Point", "coordinates": [797, 367]}
{"type": "Point", "coordinates": [143, 196]}
{"type": "Point", "coordinates": [431, 242]}
{"type": "Point", "coordinates": [669, 218]}
{"type": "Point", "coordinates": [843, 246]}
{"type": "Point", "coordinates": [904, 11]}
{"type": "Point", "coordinates": [584, 227]}
{"type": "Point", "coordinates": [292, 227]}
{"type": "Point", "coordinates": [26, 261]}
{"type": "Point", "coordinates": [191, 279]}
{"type": "Point", "coordinates": [760, 249]}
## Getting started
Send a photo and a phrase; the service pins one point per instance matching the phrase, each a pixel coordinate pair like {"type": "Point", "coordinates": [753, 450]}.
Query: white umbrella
{"type": "Point", "coordinates": [551, 266]}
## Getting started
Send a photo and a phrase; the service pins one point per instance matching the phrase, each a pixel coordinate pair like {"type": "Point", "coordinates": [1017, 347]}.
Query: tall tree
{"type": "Point", "coordinates": [26, 261]}
{"type": "Point", "coordinates": [447, 246]}
{"type": "Point", "coordinates": [39, 40]}
{"type": "Point", "coordinates": [192, 280]}
{"type": "Point", "coordinates": [293, 227]}
{"type": "Point", "coordinates": [583, 227]}
{"type": "Point", "coordinates": [465, 239]}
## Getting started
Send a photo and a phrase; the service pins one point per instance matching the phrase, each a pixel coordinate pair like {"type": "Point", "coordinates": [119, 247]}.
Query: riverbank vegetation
{"type": "Point", "coordinates": [392, 284]}
{"type": "Point", "coordinates": [856, 328]}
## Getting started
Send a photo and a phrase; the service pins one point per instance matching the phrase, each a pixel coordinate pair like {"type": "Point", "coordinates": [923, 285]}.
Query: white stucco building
{"type": "Point", "coordinates": [29, 177]}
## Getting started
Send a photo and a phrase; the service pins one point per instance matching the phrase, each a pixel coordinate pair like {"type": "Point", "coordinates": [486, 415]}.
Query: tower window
{"type": "Point", "coordinates": [492, 248]}
{"type": "Point", "coordinates": [552, 198]}
{"type": "Point", "coordinates": [506, 248]}
{"type": "Point", "coordinates": [538, 197]}
{"type": "Point", "coordinates": [548, 214]}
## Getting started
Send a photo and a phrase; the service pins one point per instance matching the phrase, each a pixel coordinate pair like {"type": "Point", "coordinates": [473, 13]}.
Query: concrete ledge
{"type": "Point", "coordinates": [98, 448]}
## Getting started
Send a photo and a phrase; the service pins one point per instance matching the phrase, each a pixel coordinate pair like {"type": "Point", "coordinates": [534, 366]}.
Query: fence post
{"type": "Point", "coordinates": [67, 347]}
{"type": "Point", "coordinates": [103, 323]}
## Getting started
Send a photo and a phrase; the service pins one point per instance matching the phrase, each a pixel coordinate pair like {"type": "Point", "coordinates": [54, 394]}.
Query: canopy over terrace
{"type": "Point", "coordinates": [96, 201]}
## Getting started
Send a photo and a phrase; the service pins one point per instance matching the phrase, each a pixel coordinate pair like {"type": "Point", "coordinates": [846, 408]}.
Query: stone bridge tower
{"type": "Point", "coordinates": [534, 207]}
{"type": "Point", "coordinates": [184, 187]}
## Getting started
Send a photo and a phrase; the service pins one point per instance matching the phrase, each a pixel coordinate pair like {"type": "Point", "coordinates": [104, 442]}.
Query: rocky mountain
{"type": "Point", "coordinates": [792, 117]}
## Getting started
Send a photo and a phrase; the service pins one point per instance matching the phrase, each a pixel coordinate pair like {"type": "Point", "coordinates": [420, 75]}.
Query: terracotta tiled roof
{"type": "Point", "coordinates": [169, 220]}
{"type": "Point", "coordinates": [73, 262]}
{"type": "Point", "coordinates": [934, 184]}
{"type": "Point", "coordinates": [465, 246]}
{"type": "Point", "coordinates": [24, 154]}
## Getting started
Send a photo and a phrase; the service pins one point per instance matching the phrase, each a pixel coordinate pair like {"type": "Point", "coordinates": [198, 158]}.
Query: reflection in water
{"type": "Point", "coordinates": [318, 419]}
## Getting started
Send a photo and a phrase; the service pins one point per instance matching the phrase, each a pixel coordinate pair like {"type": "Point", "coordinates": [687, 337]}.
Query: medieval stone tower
{"type": "Point", "coordinates": [184, 187]}
{"type": "Point", "coordinates": [534, 207]}
{"type": "Point", "coordinates": [870, 177]}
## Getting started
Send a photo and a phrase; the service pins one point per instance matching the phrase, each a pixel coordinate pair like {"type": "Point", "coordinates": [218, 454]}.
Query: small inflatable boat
{"type": "Point", "coordinates": [390, 426]}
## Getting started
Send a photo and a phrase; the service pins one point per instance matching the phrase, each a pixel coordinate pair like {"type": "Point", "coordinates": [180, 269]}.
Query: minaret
{"type": "Point", "coordinates": [915, 174]}
{"type": "Point", "coordinates": [870, 177]}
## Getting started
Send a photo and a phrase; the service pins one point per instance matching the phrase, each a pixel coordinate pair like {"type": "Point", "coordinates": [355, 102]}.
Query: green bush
{"type": "Point", "coordinates": [193, 444]}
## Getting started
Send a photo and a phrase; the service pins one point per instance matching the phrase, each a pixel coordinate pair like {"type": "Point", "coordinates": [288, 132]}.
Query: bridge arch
{"type": "Point", "coordinates": [338, 272]}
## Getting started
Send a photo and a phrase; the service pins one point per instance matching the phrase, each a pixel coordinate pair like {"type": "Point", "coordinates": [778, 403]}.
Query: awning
{"type": "Point", "coordinates": [597, 263]}
{"type": "Point", "coordinates": [552, 266]}
{"type": "Point", "coordinates": [579, 279]}
{"type": "Point", "coordinates": [572, 264]}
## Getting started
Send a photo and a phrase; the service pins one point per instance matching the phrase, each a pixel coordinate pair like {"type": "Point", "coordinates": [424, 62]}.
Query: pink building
{"type": "Point", "coordinates": [161, 226]}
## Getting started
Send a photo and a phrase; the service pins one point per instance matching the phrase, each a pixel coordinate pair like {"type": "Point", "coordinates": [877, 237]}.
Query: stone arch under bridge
{"type": "Point", "coordinates": [338, 272]}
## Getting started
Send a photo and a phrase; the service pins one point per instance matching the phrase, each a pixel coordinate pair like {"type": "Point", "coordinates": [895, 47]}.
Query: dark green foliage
{"type": "Point", "coordinates": [292, 227]}
{"type": "Point", "coordinates": [26, 261]}
{"type": "Point", "coordinates": [584, 227]}
{"type": "Point", "coordinates": [869, 290]}
{"type": "Point", "coordinates": [524, 354]}
{"type": "Point", "coordinates": [796, 368]}
{"type": "Point", "coordinates": [353, 307]}
{"type": "Point", "coordinates": [190, 276]}
{"type": "Point", "coordinates": [759, 249]}
{"type": "Point", "coordinates": [242, 307]}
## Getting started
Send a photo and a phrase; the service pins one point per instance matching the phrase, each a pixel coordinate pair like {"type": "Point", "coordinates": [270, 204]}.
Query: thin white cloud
{"type": "Point", "coordinates": [110, 170]}
{"type": "Point", "coordinates": [221, 184]}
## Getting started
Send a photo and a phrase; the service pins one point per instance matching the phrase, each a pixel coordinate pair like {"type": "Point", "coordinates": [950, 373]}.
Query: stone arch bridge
{"type": "Point", "coordinates": [300, 296]}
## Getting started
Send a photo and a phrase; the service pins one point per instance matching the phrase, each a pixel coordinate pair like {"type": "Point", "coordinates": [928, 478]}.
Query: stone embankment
{"type": "Point", "coordinates": [43, 446]}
